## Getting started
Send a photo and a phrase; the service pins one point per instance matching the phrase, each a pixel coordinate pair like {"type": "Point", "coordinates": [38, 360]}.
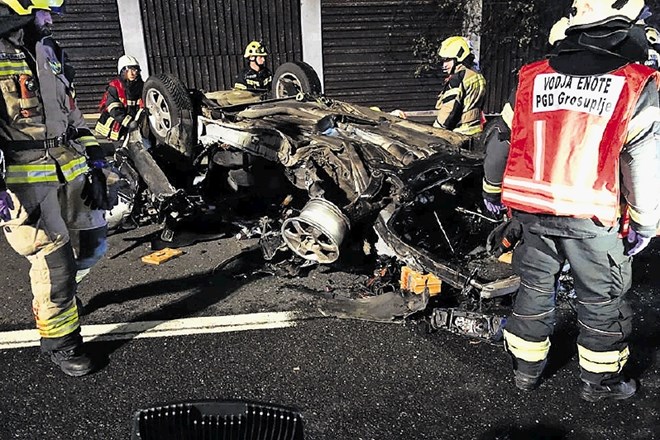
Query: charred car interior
{"type": "Point", "coordinates": [324, 182]}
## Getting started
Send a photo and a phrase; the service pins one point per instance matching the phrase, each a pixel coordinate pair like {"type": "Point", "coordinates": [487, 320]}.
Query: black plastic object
{"type": "Point", "coordinates": [219, 420]}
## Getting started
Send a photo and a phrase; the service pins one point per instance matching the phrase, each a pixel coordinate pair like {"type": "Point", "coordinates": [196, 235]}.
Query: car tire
{"type": "Point", "coordinates": [295, 77]}
{"type": "Point", "coordinates": [170, 108]}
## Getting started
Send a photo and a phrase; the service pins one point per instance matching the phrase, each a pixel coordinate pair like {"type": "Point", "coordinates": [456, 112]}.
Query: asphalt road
{"type": "Point", "coordinates": [350, 379]}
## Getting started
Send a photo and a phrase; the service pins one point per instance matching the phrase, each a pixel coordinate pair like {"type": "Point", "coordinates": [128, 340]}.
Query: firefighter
{"type": "Point", "coordinates": [462, 96]}
{"type": "Point", "coordinates": [122, 101]}
{"type": "Point", "coordinates": [256, 77]}
{"type": "Point", "coordinates": [584, 129]}
{"type": "Point", "coordinates": [53, 191]}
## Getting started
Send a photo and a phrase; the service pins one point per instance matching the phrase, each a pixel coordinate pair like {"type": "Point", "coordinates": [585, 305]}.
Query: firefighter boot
{"type": "Point", "coordinates": [72, 362]}
{"type": "Point", "coordinates": [526, 382]}
{"type": "Point", "coordinates": [530, 379]}
{"type": "Point", "coordinates": [620, 390]}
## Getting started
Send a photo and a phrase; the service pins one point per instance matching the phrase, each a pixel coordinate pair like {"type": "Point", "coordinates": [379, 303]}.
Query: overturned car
{"type": "Point", "coordinates": [347, 182]}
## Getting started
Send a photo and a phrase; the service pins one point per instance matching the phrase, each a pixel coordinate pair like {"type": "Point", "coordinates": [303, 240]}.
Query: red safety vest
{"type": "Point", "coordinates": [567, 135]}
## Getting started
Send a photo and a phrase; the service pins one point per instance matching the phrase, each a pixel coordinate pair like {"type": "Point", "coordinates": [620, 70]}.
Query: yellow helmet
{"type": "Point", "coordinates": [590, 13]}
{"type": "Point", "coordinates": [255, 49]}
{"type": "Point", "coordinates": [27, 7]}
{"type": "Point", "coordinates": [454, 47]}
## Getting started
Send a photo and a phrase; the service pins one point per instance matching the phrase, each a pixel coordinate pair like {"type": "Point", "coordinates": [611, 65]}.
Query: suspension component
{"type": "Point", "coordinates": [472, 324]}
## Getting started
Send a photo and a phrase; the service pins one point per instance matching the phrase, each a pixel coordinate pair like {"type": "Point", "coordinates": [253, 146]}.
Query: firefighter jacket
{"type": "Point", "coordinates": [42, 132]}
{"type": "Point", "coordinates": [459, 104]}
{"type": "Point", "coordinates": [253, 81]}
{"type": "Point", "coordinates": [121, 104]}
{"type": "Point", "coordinates": [582, 144]}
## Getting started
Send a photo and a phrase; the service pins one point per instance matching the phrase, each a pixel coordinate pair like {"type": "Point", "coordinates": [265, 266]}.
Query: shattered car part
{"type": "Point", "coordinates": [380, 308]}
{"type": "Point", "coordinates": [416, 282]}
{"type": "Point", "coordinates": [360, 178]}
{"type": "Point", "coordinates": [472, 324]}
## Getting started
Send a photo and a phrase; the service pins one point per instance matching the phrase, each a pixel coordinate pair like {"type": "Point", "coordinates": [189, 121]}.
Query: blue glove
{"type": "Point", "coordinates": [496, 208]}
{"type": "Point", "coordinates": [636, 242]}
{"type": "Point", "coordinates": [6, 205]}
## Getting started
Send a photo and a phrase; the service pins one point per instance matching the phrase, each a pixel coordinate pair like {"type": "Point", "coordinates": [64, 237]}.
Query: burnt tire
{"type": "Point", "coordinates": [293, 78]}
{"type": "Point", "coordinates": [170, 108]}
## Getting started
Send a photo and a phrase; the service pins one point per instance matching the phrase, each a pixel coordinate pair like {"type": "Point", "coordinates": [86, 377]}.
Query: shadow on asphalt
{"type": "Point", "coordinates": [645, 300]}
{"type": "Point", "coordinates": [536, 432]}
{"type": "Point", "coordinates": [211, 288]}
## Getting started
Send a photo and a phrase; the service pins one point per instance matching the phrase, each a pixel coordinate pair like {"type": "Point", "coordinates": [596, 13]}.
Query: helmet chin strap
{"type": "Point", "coordinates": [453, 67]}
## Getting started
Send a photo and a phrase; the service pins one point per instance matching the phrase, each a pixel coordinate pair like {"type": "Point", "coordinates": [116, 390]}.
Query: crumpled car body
{"type": "Point", "coordinates": [364, 178]}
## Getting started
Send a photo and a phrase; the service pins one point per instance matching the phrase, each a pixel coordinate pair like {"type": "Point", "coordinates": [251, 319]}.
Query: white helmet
{"type": "Point", "coordinates": [590, 13]}
{"type": "Point", "coordinates": [558, 31]}
{"type": "Point", "coordinates": [126, 61]}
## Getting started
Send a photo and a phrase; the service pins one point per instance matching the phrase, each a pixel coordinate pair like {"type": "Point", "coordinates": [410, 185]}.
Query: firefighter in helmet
{"type": "Point", "coordinates": [580, 172]}
{"type": "Point", "coordinates": [53, 191]}
{"type": "Point", "coordinates": [462, 96]}
{"type": "Point", "coordinates": [122, 101]}
{"type": "Point", "coordinates": [256, 77]}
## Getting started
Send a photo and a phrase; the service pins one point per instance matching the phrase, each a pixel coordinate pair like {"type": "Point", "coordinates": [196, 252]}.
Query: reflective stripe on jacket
{"type": "Point", "coordinates": [459, 104]}
{"type": "Point", "coordinates": [567, 136]}
{"type": "Point", "coordinates": [59, 162]}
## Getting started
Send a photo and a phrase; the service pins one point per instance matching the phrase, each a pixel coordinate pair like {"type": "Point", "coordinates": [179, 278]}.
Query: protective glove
{"type": "Point", "coordinates": [95, 193]}
{"type": "Point", "coordinates": [494, 205]}
{"type": "Point", "coordinates": [504, 238]}
{"type": "Point", "coordinates": [636, 242]}
{"type": "Point", "coordinates": [6, 205]}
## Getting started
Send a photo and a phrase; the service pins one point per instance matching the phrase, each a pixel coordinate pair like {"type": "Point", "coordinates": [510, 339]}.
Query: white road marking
{"type": "Point", "coordinates": [161, 329]}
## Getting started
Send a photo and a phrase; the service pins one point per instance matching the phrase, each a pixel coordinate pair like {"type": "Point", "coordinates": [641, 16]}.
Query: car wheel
{"type": "Point", "coordinates": [295, 77]}
{"type": "Point", "coordinates": [170, 113]}
{"type": "Point", "coordinates": [317, 233]}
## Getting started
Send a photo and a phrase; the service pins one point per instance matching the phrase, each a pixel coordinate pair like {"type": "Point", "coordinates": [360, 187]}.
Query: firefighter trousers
{"type": "Point", "coordinates": [602, 274]}
{"type": "Point", "coordinates": [60, 236]}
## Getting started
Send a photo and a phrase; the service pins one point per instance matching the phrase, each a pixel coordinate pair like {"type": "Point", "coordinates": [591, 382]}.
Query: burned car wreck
{"type": "Point", "coordinates": [329, 183]}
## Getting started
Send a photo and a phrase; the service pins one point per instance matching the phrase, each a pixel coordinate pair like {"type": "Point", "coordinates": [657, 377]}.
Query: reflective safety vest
{"type": "Point", "coordinates": [567, 135]}
{"type": "Point", "coordinates": [107, 125]}
{"type": "Point", "coordinates": [30, 157]}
